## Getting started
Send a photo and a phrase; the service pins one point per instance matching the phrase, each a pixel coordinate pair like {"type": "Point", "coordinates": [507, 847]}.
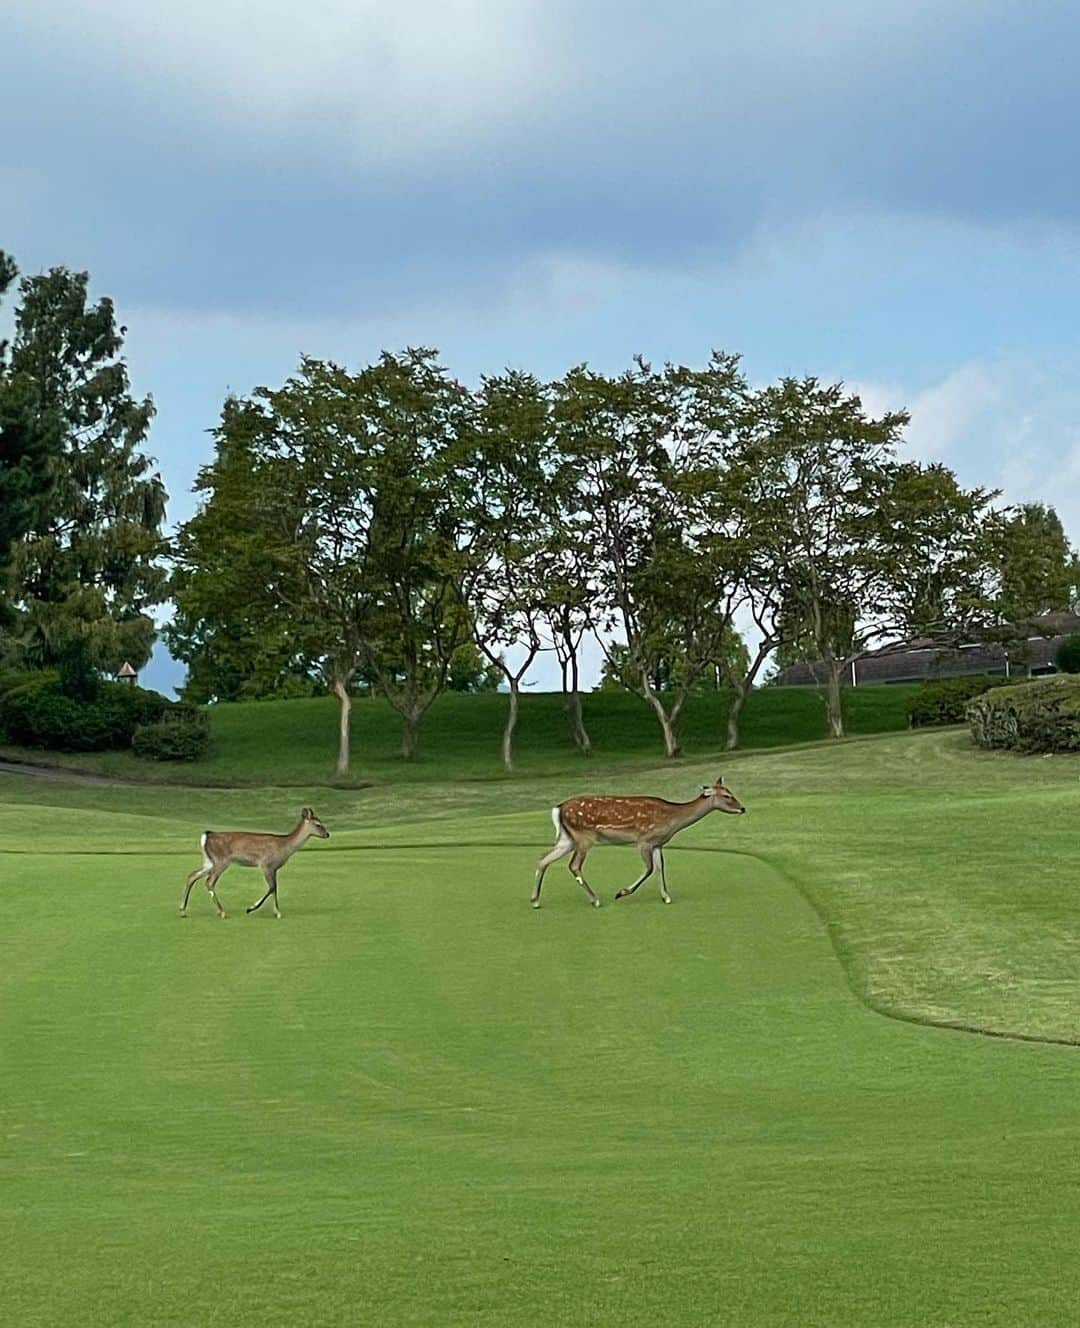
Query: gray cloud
{"type": "Point", "coordinates": [230, 156]}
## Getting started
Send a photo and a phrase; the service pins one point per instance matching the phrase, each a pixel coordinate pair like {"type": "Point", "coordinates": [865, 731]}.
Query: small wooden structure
{"type": "Point", "coordinates": [127, 673]}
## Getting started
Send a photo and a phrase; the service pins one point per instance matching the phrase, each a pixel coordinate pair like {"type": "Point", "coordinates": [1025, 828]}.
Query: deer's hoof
{"type": "Point", "coordinates": [536, 903]}
{"type": "Point", "coordinates": [667, 899]}
{"type": "Point", "coordinates": [596, 903]}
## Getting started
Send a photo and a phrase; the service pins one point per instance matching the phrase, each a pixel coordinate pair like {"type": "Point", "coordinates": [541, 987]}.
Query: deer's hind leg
{"type": "Point", "coordinates": [648, 857]}
{"type": "Point", "coordinates": [197, 875]}
{"type": "Point", "coordinates": [212, 881]}
{"type": "Point", "coordinates": [564, 845]}
{"type": "Point", "coordinates": [577, 863]}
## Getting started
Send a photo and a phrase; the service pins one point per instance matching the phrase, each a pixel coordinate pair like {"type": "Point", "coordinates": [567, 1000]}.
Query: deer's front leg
{"type": "Point", "coordinates": [270, 878]}
{"type": "Point", "coordinates": [658, 861]}
{"type": "Point", "coordinates": [648, 860]}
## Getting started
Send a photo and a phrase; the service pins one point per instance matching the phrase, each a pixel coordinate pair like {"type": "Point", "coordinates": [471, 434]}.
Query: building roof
{"type": "Point", "coordinates": [923, 659]}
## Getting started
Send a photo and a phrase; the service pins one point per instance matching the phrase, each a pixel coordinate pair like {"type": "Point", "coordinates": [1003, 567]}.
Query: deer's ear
{"type": "Point", "coordinates": [706, 789]}
{"type": "Point", "coordinates": [307, 814]}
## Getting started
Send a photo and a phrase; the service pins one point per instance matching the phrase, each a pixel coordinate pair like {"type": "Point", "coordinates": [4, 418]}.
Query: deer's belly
{"type": "Point", "coordinates": [616, 834]}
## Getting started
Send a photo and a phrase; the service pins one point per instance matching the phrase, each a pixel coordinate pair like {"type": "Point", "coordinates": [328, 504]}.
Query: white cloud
{"type": "Point", "coordinates": [1011, 422]}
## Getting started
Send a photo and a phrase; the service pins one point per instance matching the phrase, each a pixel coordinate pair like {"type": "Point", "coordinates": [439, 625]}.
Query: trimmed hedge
{"type": "Point", "coordinates": [36, 713]}
{"type": "Point", "coordinates": [1040, 716]}
{"type": "Point", "coordinates": [945, 700]}
{"type": "Point", "coordinates": [173, 739]}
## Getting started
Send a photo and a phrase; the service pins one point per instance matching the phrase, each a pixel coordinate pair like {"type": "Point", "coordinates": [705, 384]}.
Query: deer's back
{"type": "Point", "coordinates": [616, 813]}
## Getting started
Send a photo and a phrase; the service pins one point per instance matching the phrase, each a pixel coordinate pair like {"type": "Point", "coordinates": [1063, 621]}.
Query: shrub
{"type": "Point", "coordinates": [36, 713]}
{"type": "Point", "coordinates": [945, 700]}
{"type": "Point", "coordinates": [172, 739]}
{"type": "Point", "coordinates": [1040, 716]}
{"type": "Point", "coordinates": [1068, 654]}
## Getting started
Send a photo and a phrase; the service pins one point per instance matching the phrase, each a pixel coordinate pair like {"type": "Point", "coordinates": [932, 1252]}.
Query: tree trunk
{"type": "Point", "coordinates": [833, 706]}
{"type": "Point", "coordinates": [341, 691]}
{"type": "Point", "coordinates": [667, 724]}
{"type": "Point", "coordinates": [410, 732]}
{"type": "Point", "coordinates": [511, 724]}
{"type": "Point", "coordinates": [572, 705]}
{"type": "Point", "coordinates": [742, 691]}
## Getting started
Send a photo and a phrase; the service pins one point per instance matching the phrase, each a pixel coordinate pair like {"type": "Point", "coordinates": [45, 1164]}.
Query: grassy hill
{"type": "Point", "coordinates": [416, 1101]}
{"type": "Point", "coordinates": [295, 742]}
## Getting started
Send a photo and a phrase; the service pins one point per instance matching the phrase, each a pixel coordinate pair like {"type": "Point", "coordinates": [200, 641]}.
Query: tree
{"type": "Point", "coordinates": [335, 531]}
{"type": "Point", "coordinates": [825, 464]}
{"type": "Point", "coordinates": [1038, 572]}
{"type": "Point", "coordinates": [642, 489]}
{"type": "Point", "coordinates": [1068, 654]}
{"type": "Point", "coordinates": [412, 426]}
{"type": "Point", "coordinates": [228, 626]}
{"type": "Point", "coordinates": [671, 666]}
{"type": "Point", "coordinates": [512, 526]}
{"type": "Point", "coordinates": [30, 442]}
{"type": "Point", "coordinates": [471, 672]}
{"type": "Point", "coordinates": [88, 565]}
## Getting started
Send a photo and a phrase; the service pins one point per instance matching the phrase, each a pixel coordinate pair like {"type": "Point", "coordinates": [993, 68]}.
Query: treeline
{"type": "Point", "coordinates": [392, 529]}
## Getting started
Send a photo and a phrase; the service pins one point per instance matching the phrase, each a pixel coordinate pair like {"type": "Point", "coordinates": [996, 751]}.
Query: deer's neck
{"type": "Point", "coordinates": [296, 837]}
{"type": "Point", "coordinates": [688, 813]}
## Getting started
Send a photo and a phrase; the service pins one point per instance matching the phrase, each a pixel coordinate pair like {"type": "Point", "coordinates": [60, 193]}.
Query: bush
{"type": "Point", "coordinates": [36, 713]}
{"type": "Point", "coordinates": [1068, 654]}
{"type": "Point", "coordinates": [945, 701]}
{"type": "Point", "coordinates": [173, 739]}
{"type": "Point", "coordinates": [1040, 716]}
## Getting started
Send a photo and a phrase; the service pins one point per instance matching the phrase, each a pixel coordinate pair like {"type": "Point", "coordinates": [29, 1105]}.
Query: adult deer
{"type": "Point", "coordinates": [222, 848]}
{"type": "Point", "coordinates": [648, 823]}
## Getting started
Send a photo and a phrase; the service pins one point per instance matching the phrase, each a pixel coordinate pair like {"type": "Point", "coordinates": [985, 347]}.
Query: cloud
{"type": "Point", "coordinates": [1012, 423]}
{"type": "Point", "coordinates": [344, 155]}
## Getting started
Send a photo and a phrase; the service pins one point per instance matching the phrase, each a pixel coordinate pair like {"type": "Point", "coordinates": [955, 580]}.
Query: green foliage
{"type": "Point", "coordinates": [177, 738]}
{"type": "Point", "coordinates": [30, 442]}
{"type": "Point", "coordinates": [1038, 571]}
{"type": "Point", "coordinates": [38, 713]}
{"type": "Point", "coordinates": [1039, 716]}
{"type": "Point", "coordinates": [88, 563]}
{"type": "Point", "coordinates": [668, 670]}
{"type": "Point", "coordinates": [945, 700]}
{"type": "Point", "coordinates": [1068, 654]}
{"type": "Point", "coordinates": [471, 672]}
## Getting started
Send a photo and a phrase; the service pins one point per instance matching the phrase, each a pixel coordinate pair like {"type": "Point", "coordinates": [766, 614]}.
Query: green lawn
{"type": "Point", "coordinates": [416, 1101]}
{"type": "Point", "coordinates": [295, 742]}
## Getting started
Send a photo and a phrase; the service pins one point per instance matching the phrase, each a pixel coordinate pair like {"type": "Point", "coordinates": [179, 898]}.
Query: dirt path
{"type": "Point", "coordinates": [60, 774]}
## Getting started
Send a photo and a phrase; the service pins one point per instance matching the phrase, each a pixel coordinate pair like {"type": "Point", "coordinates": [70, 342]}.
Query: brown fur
{"type": "Point", "coordinates": [243, 848]}
{"type": "Point", "coordinates": [649, 823]}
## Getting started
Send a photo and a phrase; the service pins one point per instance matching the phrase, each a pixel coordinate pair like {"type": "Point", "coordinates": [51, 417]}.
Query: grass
{"type": "Point", "coordinates": [415, 1101]}
{"type": "Point", "coordinates": [295, 742]}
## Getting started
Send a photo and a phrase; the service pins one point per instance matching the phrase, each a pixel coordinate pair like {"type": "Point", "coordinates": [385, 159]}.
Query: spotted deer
{"type": "Point", "coordinates": [648, 823]}
{"type": "Point", "coordinates": [224, 848]}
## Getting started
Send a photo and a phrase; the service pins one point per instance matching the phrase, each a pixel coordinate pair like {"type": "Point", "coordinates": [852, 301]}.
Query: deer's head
{"type": "Point", "coordinates": [313, 825]}
{"type": "Point", "coordinates": [722, 798]}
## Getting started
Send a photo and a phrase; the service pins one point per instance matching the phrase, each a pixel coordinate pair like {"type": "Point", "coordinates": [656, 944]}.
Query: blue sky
{"type": "Point", "coordinates": [878, 192]}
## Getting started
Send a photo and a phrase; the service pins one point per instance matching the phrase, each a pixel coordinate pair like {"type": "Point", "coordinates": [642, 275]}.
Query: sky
{"type": "Point", "coordinates": [865, 190]}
